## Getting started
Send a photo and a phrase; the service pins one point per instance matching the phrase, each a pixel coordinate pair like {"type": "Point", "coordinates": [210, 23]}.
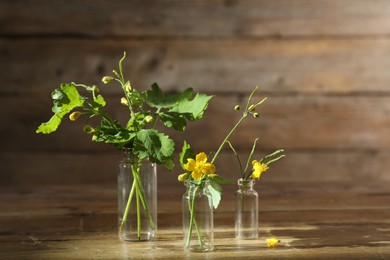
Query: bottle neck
{"type": "Point", "coordinates": [246, 184]}
{"type": "Point", "coordinates": [193, 184]}
{"type": "Point", "coordinates": [129, 157]}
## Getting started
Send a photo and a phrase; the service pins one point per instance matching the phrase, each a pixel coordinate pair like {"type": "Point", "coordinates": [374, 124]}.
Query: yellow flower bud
{"type": "Point", "coordinates": [128, 87]}
{"type": "Point", "coordinates": [237, 107]}
{"type": "Point", "coordinates": [251, 108]}
{"type": "Point", "coordinates": [256, 115]}
{"type": "Point", "coordinates": [94, 138]}
{"type": "Point", "coordinates": [124, 101]}
{"type": "Point", "coordinates": [182, 177]}
{"type": "Point", "coordinates": [148, 119]}
{"type": "Point", "coordinates": [107, 79]}
{"type": "Point", "coordinates": [272, 242]}
{"type": "Point", "coordinates": [74, 116]}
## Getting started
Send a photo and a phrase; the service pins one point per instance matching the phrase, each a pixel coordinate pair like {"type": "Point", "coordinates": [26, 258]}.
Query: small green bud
{"type": "Point", "coordinates": [212, 175]}
{"type": "Point", "coordinates": [74, 116]}
{"type": "Point", "coordinates": [124, 101]}
{"type": "Point", "coordinates": [94, 138]}
{"type": "Point", "coordinates": [116, 73]}
{"type": "Point", "coordinates": [89, 130]}
{"type": "Point", "coordinates": [182, 177]}
{"type": "Point", "coordinates": [95, 89]}
{"type": "Point", "coordinates": [107, 79]}
{"type": "Point", "coordinates": [148, 119]}
{"type": "Point", "coordinates": [237, 107]}
{"type": "Point", "coordinates": [251, 108]}
{"type": "Point", "coordinates": [256, 115]}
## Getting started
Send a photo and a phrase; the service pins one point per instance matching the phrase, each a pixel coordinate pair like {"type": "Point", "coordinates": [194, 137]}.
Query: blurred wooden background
{"type": "Point", "coordinates": [324, 65]}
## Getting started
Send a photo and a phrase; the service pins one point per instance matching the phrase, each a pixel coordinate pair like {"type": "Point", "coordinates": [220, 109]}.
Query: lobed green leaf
{"type": "Point", "coordinates": [156, 98]}
{"type": "Point", "coordinates": [193, 109]}
{"type": "Point", "coordinates": [65, 100]}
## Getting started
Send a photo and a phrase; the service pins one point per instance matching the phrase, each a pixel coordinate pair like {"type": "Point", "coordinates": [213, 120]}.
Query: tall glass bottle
{"type": "Point", "coordinates": [246, 223]}
{"type": "Point", "coordinates": [137, 199]}
{"type": "Point", "coordinates": [198, 220]}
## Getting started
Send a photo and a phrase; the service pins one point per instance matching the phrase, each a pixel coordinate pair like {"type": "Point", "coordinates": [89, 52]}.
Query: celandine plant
{"type": "Point", "coordinates": [246, 223]}
{"type": "Point", "coordinates": [138, 136]}
{"type": "Point", "coordinates": [201, 178]}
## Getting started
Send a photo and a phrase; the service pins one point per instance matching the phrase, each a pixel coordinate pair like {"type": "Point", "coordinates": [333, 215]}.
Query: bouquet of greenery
{"type": "Point", "coordinates": [138, 135]}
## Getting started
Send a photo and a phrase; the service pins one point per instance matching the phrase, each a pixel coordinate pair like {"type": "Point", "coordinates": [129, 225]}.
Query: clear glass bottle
{"type": "Point", "coordinates": [198, 220]}
{"type": "Point", "coordinates": [246, 222]}
{"type": "Point", "coordinates": [137, 199]}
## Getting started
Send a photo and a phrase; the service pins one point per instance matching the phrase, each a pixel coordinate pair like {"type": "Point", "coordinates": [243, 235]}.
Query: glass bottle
{"type": "Point", "coordinates": [246, 222]}
{"type": "Point", "coordinates": [198, 221]}
{"type": "Point", "coordinates": [137, 199]}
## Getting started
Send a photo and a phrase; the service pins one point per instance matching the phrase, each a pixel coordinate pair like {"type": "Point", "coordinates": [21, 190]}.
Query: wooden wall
{"type": "Point", "coordinates": [325, 66]}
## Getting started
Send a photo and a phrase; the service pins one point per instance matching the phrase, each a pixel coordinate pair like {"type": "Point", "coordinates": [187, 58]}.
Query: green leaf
{"type": "Point", "coordinates": [156, 146]}
{"type": "Point", "coordinates": [156, 98]}
{"type": "Point", "coordinates": [65, 100]}
{"type": "Point", "coordinates": [193, 109]}
{"type": "Point", "coordinates": [100, 100]}
{"type": "Point", "coordinates": [174, 120]}
{"type": "Point", "coordinates": [216, 192]}
{"type": "Point", "coordinates": [185, 153]}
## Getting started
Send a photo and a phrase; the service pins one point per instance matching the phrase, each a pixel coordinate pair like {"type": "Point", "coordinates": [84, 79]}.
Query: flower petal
{"type": "Point", "coordinates": [201, 157]}
{"type": "Point", "coordinates": [208, 168]}
{"type": "Point", "coordinates": [190, 165]}
{"type": "Point", "coordinates": [197, 175]}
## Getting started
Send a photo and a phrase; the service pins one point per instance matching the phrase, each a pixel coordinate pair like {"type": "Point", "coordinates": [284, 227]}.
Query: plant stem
{"type": "Point", "coordinates": [191, 207]}
{"type": "Point", "coordinates": [124, 219]}
{"type": "Point", "coordinates": [138, 213]}
{"type": "Point", "coordinates": [142, 193]}
{"type": "Point", "coordinates": [228, 136]}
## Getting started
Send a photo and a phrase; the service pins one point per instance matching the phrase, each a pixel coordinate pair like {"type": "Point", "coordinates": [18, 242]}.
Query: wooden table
{"type": "Point", "coordinates": [312, 220]}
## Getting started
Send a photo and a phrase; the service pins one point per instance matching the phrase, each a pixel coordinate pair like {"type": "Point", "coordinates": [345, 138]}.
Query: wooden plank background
{"type": "Point", "coordinates": [323, 64]}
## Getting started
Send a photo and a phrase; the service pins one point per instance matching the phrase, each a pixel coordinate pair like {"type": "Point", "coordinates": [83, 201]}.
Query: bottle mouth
{"type": "Point", "coordinates": [196, 183]}
{"type": "Point", "coordinates": [243, 182]}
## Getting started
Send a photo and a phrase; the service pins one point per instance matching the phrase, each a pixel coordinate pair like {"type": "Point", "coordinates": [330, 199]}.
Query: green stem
{"type": "Point", "coordinates": [124, 219]}
{"type": "Point", "coordinates": [237, 156]}
{"type": "Point", "coordinates": [191, 207]}
{"type": "Point", "coordinates": [141, 193]}
{"type": "Point", "coordinates": [228, 136]}
{"type": "Point", "coordinates": [138, 213]}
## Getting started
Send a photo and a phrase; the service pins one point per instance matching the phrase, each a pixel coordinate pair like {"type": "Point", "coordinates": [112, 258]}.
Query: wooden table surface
{"type": "Point", "coordinates": [313, 221]}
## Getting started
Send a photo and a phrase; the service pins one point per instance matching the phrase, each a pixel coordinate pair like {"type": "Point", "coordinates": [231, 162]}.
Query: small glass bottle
{"type": "Point", "coordinates": [246, 223]}
{"type": "Point", "coordinates": [137, 199]}
{"type": "Point", "coordinates": [198, 221]}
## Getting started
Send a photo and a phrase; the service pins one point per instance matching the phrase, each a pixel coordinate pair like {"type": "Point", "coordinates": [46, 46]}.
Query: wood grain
{"type": "Point", "coordinates": [70, 167]}
{"type": "Point", "coordinates": [216, 18]}
{"type": "Point", "coordinates": [290, 122]}
{"type": "Point", "coordinates": [284, 67]}
{"type": "Point", "coordinates": [312, 220]}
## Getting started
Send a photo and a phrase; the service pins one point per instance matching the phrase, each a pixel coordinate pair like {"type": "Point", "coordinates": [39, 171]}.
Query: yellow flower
{"type": "Point", "coordinates": [199, 166]}
{"type": "Point", "coordinates": [272, 242]}
{"type": "Point", "coordinates": [258, 169]}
